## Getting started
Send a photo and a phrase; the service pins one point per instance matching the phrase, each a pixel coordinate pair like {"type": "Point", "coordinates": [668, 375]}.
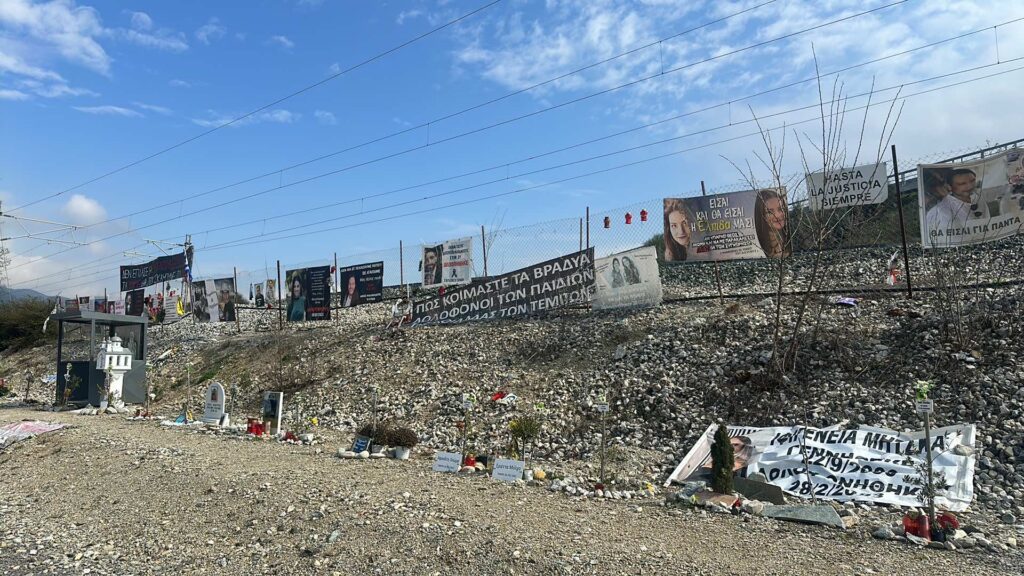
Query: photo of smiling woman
{"type": "Point", "coordinates": [678, 229]}
{"type": "Point", "coordinates": [771, 222]}
{"type": "Point", "coordinates": [296, 286]}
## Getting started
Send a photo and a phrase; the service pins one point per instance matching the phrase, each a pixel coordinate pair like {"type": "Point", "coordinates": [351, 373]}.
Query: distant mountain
{"type": "Point", "coordinates": [7, 294]}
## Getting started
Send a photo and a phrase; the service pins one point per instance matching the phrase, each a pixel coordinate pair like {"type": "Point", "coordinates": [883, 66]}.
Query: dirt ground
{"type": "Point", "coordinates": [113, 496]}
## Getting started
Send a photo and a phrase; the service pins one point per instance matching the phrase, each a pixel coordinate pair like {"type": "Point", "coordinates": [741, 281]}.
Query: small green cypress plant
{"type": "Point", "coordinates": [722, 460]}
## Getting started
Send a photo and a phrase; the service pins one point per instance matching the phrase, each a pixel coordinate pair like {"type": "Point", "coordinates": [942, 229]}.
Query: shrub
{"type": "Point", "coordinates": [21, 324]}
{"type": "Point", "coordinates": [379, 434]}
{"type": "Point", "coordinates": [525, 428]}
{"type": "Point", "coordinates": [404, 437]}
{"type": "Point", "coordinates": [722, 461]}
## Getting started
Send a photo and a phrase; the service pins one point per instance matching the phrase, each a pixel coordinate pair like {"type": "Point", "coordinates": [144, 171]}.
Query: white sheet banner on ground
{"type": "Point", "coordinates": [847, 187]}
{"type": "Point", "coordinates": [865, 464]}
{"type": "Point", "coordinates": [628, 279]}
{"type": "Point", "coordinates": [972, 202]}
{"type": "Point", "coordinates": [22, 430]}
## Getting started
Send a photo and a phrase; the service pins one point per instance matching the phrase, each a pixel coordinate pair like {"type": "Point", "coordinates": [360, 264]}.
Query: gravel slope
{"type": "Point", "coordinates": [111, 496]}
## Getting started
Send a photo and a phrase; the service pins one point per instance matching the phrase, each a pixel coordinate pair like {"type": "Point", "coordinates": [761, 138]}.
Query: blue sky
{"type": "Point", "coordinates": [88, 86]}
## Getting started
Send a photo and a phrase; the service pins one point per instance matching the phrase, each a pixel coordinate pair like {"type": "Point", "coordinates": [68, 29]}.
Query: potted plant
{"type": "Point", "coordinates": [403, 439]}
{"type": "Point", "coordinates": [371, 437]}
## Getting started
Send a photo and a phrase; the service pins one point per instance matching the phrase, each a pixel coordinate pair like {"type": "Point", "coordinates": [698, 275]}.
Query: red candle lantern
{"type": "Point", "coordinates": [629, 218]}
{"type": "Point", "coordinates": [643, 215]}
{"type": "Point", "coordinates": [607, 222]}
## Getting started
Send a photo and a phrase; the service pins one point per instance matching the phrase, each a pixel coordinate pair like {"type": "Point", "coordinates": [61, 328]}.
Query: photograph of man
{"type": "Point", "coordinates": [259, 300]}
{"type": "Point", "coordinates": [296, 296]}
{"type": "Point", "coordinates": [432, 265]}
{"type": "Point", "coordinates": [128, 303]}
{"type": "Point", "coordinates": [271, 292]}
{"type": "Point", "coordinates": [225, 299]}
{"type": "Point", "coordinates": [351, 292]}
{"type": "Point", "coordinates": [957, 206]}
{"type": "Point", "coordinates": [678, 229]}
{"type": "Point", "coordinates": [200, 309]}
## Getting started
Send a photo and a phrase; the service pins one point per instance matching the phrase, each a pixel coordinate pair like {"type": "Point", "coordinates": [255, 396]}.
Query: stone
{"type": "Point", "coordinates": [806, 514]}
{"type": "Point", "coordinates": [342, 453]}
{"type": "Point", "coordinates": [709, 498]}
{"type": "Point", "coordinates": [966, 542]}
{"type": "Point", "coordinates": [1011, 542]}
{"type": "Point", "coordinates": [916, 540]}
{"type": "Point", "coordinates": [334, 536]}
{"type": "Point", "coordinates": [364, 455]}
{"type": "Point", "coordinates": [539, 474]}
{"type": "Point", "coordinates": [884, 533]}
{"type": "Point", "coordinates": [753, 507]}
{"type": "Point", "coordinates": [756, 490]}
{"type": "Point", "coordinates": [378, 455]}
{"type": "Point", "coordinates": [850, 521]}
{"type": "Point", "coordinates": [1008, 518]}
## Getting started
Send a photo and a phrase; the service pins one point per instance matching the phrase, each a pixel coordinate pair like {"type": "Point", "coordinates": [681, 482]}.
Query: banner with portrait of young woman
{"type": "Point", "coordinates": [308, 294]}
{"type": "Point", "coordinates": [448, 264]}
{"type": "Point", "coordinates": [361, 284]}
{"type": "Point", "coordinates": [628, 279]}
{"type": "Point", "coordinates": [966, 203]}
{"type": "Point", "coordinates": [731, 226]}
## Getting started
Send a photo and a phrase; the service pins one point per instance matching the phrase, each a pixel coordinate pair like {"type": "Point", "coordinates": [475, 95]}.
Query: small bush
{"type": "Point", "coordinates": [525, 428]}
{"type": "Point", "coordinates": [404, 437]}
{"type": "Point", "coordinates": [379, 433]}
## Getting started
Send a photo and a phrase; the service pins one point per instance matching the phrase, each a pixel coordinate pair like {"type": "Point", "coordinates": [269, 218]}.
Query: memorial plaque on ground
{"type": "Point", "coordinates": [508, 470]}
{"type": "Point", "coordinates": [213, 409]}
{"type": "Point", "coordinates": [447, 462]}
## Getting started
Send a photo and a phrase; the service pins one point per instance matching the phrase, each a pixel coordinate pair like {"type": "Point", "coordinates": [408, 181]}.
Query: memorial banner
{"type": "Point", "coordinates": [546, 286]}
{"type": "Point", "coordinates": [135, 302]}
{"type": "Point", "coordinates": [272, 295]}
{"type": "Point", "coordinates": [204, 301]}
{"type": "Point", "coordinates": [162, 269]}
{"type": "Point", "coordinates": [361, 284]}
{"type": "Point", "coordinates": [864, 465]}
{"type": "Point", "coordinates": [731, 226]}
{"type": "Point", "coordinates": [847, 187]}
{"type": "Point", "coordinates": [225, 290]}
{"type": "Point", "coordinates": [308, 292]}
{"type": "Point", "coordinates": [627, 279]}
{"type": "Point", "coordinates": [448, 264]}
{"type": "Point", "coordinates": [966, 203]}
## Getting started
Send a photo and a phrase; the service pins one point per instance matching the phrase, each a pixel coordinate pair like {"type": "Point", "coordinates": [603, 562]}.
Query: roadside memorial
{"type": "Point", "coordinates": [507, 470]}
{"type": "Point", "coordinates": [447, 462]}
{"type": "Point", "coordinates": [271, 411]}
{"type": "Point", "coordinates": [866, 464]}
{"type": "Point", "coordinates": [213, 408]}
{"type": "Point", "coordinates": [115, 360]}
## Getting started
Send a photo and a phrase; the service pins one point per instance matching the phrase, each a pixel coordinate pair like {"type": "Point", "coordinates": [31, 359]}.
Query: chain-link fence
{"type": "Point", "coordinates": [850, 250]}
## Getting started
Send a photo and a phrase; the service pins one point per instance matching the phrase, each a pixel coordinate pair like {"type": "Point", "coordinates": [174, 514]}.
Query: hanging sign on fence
{"type": "Point", "coordinates": [546, 286]}
{"type": "Point", "coordinates": [225, 292]}
{"type": "Point", "coordinates": [308, 294]}
{"type": "Point", "coordinates": [866, 464]}
{"type": "Point", "coordinates": [361, 284]}
{"type": "Point", "coordinates": [448, 264]}
{"type": "Point", "coordinates": [627, 279]}
{"type": "Point", "coordinates": [730, 226]}
{"type": "Point", "coordinates": [965, 203]}
{"type": "Point", "coordinates": [204, 301]}
{"type": "Point", "coordinates": [847, 187]}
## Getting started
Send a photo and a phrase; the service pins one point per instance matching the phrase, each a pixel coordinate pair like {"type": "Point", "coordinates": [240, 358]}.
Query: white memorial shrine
{"type": "Point", "coordinates": [115, 360]}
{"type": "Point", "coordinates": [213, 411]}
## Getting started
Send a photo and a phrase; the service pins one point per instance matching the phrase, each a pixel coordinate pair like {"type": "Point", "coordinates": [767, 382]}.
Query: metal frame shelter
{"type": "Point", "coordinates": [131, 330]}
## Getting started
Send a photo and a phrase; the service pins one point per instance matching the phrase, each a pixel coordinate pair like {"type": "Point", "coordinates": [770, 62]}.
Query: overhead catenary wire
{"type": "Point", "coordinates": [489, 126]}
{"type": "Point", "coordinates": [266, 106]}
{"type": "Point", "coordinates": [591, 158]}
{"type": "Point", "coordinates": [595, 172]}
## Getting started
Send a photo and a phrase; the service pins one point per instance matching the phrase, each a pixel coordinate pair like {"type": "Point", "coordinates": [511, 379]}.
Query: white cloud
{"type": "Point", "coordinates": [408, 15]}
{"type": "Point", "coordinates": [210, 31]}
{"type": "Point", "coordinates": [15, 65]}
{"type": "Point", "coordinates": [8, 94]}
{"type": "Point", "coordinates": [325, 117]}
{"type": "Point", "coordinates": [53, 89]}
{"type": "Point", "coordinates": [83, 210]}
{"type": "Point", "coordinates": [108, 110]}
{"type": "Point", "coordinates": [282, 41]}
{"type": "Point", "coordinates": [177, 83]}
{"type": "Point", "coordinates": [278, 116]}
{"type": "Point", "coordinates": [334, 68]}
{"type": "Point", "coordinates": [59, 26]}
{"type": "Point", "coordinates": [154, 108]}
{"type": "Point", "coordinates": [141, 21]}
